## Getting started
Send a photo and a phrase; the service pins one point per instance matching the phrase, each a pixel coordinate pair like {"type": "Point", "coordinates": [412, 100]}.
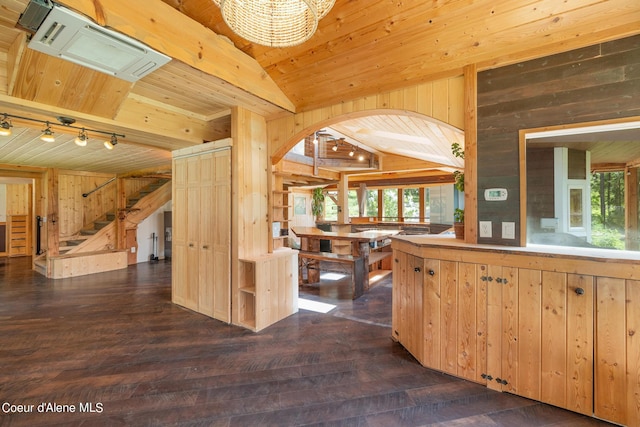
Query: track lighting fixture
{"type": "Point", "coordinates": [335, 146]}
{"type": "Point", "coordinates": [352, 152]}
{"type": "Point", "coordinates": [81, 139]}
{"type": "Point", "coordinates": [47, 134]}
{"type": "Point", "coordinates": [315, 138]}
{"type": "Point", "coordinates": [111, 143]}
{"type": "Point", "coordinates": [5, 126]}
{"type": "Point", "coordinates": [67, 122]}
{"type": "Point", "coordinates": [360, 157]}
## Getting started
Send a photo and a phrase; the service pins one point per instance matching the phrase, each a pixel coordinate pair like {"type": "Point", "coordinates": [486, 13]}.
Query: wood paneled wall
{"type": "Point", "coordinates": [19, 199]}
{"type": "Point", "coordinates": [75, 211]}
{"type": "Point", "coordinates": [441, 99]}
{"type": "Point", "coordinates": [594, 83]}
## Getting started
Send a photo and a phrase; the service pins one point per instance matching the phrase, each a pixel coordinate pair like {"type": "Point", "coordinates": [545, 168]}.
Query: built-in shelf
{"type": "Point", "coordinates": [264, 298]}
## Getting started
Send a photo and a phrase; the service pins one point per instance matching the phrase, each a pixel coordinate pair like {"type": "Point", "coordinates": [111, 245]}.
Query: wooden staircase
{"type": "Point", "coordinates": [99, 238]}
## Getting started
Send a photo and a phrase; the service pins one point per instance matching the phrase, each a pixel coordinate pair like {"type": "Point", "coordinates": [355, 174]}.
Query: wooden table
{"type": "Point", "coordinates": [360, 248]}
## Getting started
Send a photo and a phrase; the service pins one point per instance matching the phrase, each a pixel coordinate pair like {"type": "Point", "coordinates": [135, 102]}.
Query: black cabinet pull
{"type": "Point", "coordinates": [579, 291]}
{"type": "Point", "coordinates": [499, 279]}
{"type": "Point", "coordinates": [417, 269]}
{"type": "Point", "coordinates": [431, 272]}
{"type": "Point", "coordinates": [489, 278]}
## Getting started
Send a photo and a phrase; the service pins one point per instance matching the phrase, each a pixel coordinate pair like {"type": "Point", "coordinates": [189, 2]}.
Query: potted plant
{"type": "Point", "coordinates": [317, 202]}
{"type": "Point", "coordinates": [458, 223]}
{"type": "Point", "coordinates": [458, 214]}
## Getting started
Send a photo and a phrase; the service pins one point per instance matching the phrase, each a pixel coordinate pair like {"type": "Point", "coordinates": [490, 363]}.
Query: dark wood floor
{"type": "Point", "coordinates": [115, 341]}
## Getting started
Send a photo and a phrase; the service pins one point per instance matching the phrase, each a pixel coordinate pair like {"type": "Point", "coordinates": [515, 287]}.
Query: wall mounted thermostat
{"type": "Point", "coordinates": [495, 194]}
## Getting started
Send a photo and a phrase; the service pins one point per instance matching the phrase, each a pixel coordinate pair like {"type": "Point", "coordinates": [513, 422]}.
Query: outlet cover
{"type": "Point", "coordinates": [508, 230]}
{"type": "Point", "coordinates": [485, 228]}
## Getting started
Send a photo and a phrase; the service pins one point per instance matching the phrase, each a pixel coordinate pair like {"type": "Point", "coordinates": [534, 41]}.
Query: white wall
{"type": "Point", "coordinates": [153, 224]}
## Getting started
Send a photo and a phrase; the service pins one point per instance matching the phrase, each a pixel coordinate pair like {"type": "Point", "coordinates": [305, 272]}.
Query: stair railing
{"type": "Point", "coordinates": [99, 187]}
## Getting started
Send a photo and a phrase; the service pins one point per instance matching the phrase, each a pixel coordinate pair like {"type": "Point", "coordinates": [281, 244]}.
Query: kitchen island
{"type": "Point", "coordinates": [554, 324]}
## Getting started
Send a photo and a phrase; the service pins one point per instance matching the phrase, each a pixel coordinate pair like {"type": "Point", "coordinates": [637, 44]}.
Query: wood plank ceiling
{"type": "Point", "coordinates": [362, 47]}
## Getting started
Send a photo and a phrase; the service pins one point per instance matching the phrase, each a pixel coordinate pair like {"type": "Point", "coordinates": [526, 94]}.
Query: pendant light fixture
{"type": "Point", "coordinates": [274, 23]}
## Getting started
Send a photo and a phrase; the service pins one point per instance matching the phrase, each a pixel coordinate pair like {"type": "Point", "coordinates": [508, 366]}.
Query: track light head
{"type": "Point", "coordinates": [335, 146]}
{"type": "Point", "coordinates": [111, 143]}
{"type": "Point", "coordinates": [5, 126]}
{"type": "Point", "coordinates": [81, 139]}
{"type": "Point", "coordinates": [352, 152]}
{"type": "Point", "coordinates": [47, 134]}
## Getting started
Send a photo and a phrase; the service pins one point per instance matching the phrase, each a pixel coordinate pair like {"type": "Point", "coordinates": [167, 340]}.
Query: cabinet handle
{"type": "Point", "coordinates": [417, 269]}
{"type": "Point", "coordinates": [190, 245]}
{"type": "Point", "coordinates": [579, 291]}
{"type": "Point", "coordinates": [499, 279]}
{"type": "Point", "coordinates": [205, 247]}
{"type": "Point", "coordinates": [396, 260]}
{"type": "Point", "coordinates": [431, 272]}
{"type": "Point", "coordinates": [501, 381]}
{"type": "Point", "coordinates": [489, 278]}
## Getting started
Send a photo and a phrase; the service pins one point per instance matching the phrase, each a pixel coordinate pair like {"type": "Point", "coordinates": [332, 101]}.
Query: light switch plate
{"type": "Point", "coordinates": [508, 230]}
{"type": "Point", "coordinates": [485, 228]}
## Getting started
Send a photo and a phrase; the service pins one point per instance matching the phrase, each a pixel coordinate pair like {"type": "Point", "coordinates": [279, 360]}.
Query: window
{"type": "Point", "coordinates": [390, 204]}
{"type": "Point", "coordinates": [371, 204]}
{"type": "Point", "coordinates": [411, 204]}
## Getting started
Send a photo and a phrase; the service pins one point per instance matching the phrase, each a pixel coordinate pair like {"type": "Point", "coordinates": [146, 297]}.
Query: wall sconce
{"type": "Point", "coordinates": [48, 134]}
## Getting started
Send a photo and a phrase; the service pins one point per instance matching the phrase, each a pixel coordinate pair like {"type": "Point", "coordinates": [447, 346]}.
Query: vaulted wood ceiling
{"type": "Point", "coordinates": [362, 47]}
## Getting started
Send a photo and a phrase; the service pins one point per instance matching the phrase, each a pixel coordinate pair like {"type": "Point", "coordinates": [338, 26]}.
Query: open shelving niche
{"type": "Point", "coordinates": [281, 212]}
{"type": "Point", "coordinates": [268, 290]}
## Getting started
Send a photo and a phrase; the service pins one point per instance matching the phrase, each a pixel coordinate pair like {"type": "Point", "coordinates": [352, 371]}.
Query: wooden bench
{"type": "Point", "coordinates": [311, 260]}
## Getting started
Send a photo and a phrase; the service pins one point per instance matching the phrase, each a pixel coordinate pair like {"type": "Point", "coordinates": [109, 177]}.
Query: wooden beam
{"type": "Point", "coordinates": [53, 229]}
{"type": "Point", "coordinates": [471, 155]}
{"type": "Point", "coordinates": [156, 24]}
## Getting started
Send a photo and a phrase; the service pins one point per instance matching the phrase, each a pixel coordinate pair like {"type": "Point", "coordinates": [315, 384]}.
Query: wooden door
{"type": "Point", "coordinates": [179, 232]}
{"type": "Point", "coordinates": [221, 237]}
{"type": "Point", "coordinates": [207, 275]}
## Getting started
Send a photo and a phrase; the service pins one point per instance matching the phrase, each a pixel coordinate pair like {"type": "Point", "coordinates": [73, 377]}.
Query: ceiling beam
{"type": "Point", "coordinates": [157, 24]}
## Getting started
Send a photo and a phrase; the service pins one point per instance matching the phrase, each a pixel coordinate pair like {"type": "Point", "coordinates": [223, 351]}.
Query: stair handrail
{"type": "Point", "coordinates": [99, 187]}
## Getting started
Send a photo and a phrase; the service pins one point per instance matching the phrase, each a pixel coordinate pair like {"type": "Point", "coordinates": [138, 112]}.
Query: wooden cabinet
{"type": "Point", "coordinates": [439, 314]}
{"type": "Point", "coordinates": [557, 330]}
{"type": "Point", "coordinates": [268, 290]}
{"type": "Point", "coordinates": [540, 335]}
{"type": "Point", "coordinates": [617, 350]}
{"type": "Point", "coordinates": [201, 273]}
{"type": "Point", "coordinates": [19, 235]}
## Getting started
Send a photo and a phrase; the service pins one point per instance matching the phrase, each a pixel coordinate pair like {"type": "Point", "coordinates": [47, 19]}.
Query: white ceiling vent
{"type": "Point", "coordinates": [73, 37]}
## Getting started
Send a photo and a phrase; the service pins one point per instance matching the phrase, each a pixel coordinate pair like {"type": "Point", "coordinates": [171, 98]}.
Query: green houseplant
{"type": "Point", "coordinates": [317, 202]}
{"type": "Point", "coordinates": [458, 176]}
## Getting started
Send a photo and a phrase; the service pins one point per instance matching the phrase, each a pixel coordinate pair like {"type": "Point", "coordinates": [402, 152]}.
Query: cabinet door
{"type": "Point", "coordinates": [611, 353]}
{"type": "Point", "coordinates": [472, 323]}
{"type": "Point", "coordinates": [207, 277]}
{"type": "Point", "coordinates": [407, 303]}
{"type": "Point", "coordinates": [221, 235]}
{"type": "Point", "coordinates": [179, 224]}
